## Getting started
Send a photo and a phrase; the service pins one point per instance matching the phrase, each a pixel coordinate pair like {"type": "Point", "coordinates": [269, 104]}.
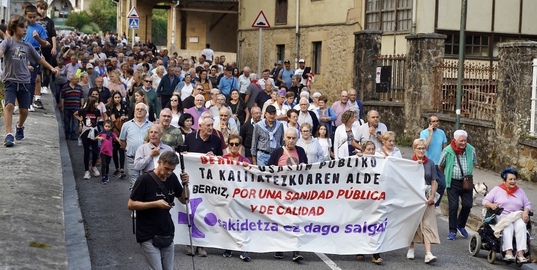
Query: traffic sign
{"type": "Point", "coordinates": [261, 21]}
{"type": "Point", "coordinates": [133, 13]}
{"type": "Point", "coordinates": [134, 23]}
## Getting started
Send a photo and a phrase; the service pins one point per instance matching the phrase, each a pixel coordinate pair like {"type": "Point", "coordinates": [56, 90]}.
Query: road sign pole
{"type": "Point", "coordinates": [132, 37]}
{"type": "Point", "coordinates": [259, 51]}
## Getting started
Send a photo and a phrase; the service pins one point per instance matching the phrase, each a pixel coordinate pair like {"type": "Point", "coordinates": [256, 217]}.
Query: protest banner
{"type": "Point", "coordinates": [354, 205]}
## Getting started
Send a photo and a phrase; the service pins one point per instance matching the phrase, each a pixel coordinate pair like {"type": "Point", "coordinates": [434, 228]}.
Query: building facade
{"type": "Point", "coordinates": [321, 31]}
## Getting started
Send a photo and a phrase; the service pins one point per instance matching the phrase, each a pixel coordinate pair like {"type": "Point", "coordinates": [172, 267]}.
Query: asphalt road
{"type": "Point", "coordinates": [112, 244]}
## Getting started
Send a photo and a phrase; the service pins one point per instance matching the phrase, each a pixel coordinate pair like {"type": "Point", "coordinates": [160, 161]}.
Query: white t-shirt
{"type": "Point", "coordinates": [186, 91]}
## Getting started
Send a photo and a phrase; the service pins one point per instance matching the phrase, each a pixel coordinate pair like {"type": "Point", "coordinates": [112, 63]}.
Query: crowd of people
{"type": "Point", "coordinates": [134, 105]}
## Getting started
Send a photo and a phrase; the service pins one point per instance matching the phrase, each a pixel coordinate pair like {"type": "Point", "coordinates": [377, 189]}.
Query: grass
{"type": "Point", "coordinates": [39, 245]}
{"type": "Point", "coordinates": [403, 142]}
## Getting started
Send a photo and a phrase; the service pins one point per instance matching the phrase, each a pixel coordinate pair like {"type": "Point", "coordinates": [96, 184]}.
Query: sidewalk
{"type": "Point", "coordinates": [41, 223]}
{"type": "Point", "coordinates": [491, 179]}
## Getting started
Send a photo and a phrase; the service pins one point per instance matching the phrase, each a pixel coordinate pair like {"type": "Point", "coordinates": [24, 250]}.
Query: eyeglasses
{"type": "Point", "coordinates": [166, 116]}
{"type": "Point", "coordinates": [174, 100]}
{"type": "Point", "coordinates": [420, 148]}
{"type": "Point", "coordinates": [148, 81]}
{"type": "Point", "coordinates": [199, 89]}
{"type": "Point", "coordinates": [234, 144]}
{"type": "Point", "coordinates": [139, 109]}
{"type": "Point", "coordinates": [305, 131]}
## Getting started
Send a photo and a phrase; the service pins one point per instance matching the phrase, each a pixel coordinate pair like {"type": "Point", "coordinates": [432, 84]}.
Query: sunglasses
{"type": "Point", "coordinates": [148, 81]}
{"type": "Point", "coordinates": [234, 144]}
{"type": "Point", "coordinates": [174, 100]}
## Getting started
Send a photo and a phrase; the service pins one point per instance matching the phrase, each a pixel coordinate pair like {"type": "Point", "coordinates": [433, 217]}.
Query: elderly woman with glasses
{"type": "Point", "coordinates": [234, 143]}
{"type": "Point", "coordinates": [427, 232]}
{"type": "Point", "coordinates": [310, 144]}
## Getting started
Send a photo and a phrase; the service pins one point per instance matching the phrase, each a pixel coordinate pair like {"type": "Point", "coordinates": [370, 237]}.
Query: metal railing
{"type": "Point", "coordinates": [397, 89]}
{"type": "Point", "coordinates": [478, 89]}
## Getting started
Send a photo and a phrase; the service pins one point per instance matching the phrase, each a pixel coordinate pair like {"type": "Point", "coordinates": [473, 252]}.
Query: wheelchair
{"type": "Point", "coordinates": [486, 240]}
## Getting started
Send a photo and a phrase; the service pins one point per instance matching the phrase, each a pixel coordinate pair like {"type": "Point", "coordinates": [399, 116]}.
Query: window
{"type": "Point", "coordinates": [389, 15]}
{"type": "Point", "coordinates": [280, 52]}
{"type": "Point", "coordinates": [316, 54]}
{"type": "Point", "coordinates": [281, 12]}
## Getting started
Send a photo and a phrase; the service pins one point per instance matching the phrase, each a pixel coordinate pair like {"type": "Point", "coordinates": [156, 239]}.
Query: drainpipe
{"type": "Point", "coordinates": [173, 26]}
{"type": "Point", "coordinates": [414, 12]}
{"type": "Point", "coordinates": [533, 97]}
{"type": "Point", "coordinates": [297, 33]}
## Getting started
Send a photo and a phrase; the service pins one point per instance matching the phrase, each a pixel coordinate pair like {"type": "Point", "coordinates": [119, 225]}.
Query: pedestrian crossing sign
{"type": "Point", "coordinates": [134, 23]}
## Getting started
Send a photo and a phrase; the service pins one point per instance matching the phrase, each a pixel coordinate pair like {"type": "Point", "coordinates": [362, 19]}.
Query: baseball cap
{"type": "Point", "coordinates": [279, 62]}
{"type": "Point", "coordinates": [281, 93]}
{"type": "Point", "coordinates": [270, 109]}
{"type": "Point", "coordinates": [302, 61]}
{"type": "Point", "coordinates": [286, 61]}
{"type": "Point", "coordinates": [89, 65]}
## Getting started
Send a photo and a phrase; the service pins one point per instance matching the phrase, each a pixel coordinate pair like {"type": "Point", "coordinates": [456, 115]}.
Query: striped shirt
{"type": "Point", "coordinates": [71, 96]}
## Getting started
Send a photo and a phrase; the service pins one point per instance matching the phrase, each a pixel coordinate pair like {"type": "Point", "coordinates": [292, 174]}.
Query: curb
{"type": "Point", "coordinates": [78, 256]}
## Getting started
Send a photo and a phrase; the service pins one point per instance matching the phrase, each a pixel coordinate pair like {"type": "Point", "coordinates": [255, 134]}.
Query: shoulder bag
{"type": "Point", "coordinates": [467, 180]}
{"type": "Point", "coordinates": [161, 241]}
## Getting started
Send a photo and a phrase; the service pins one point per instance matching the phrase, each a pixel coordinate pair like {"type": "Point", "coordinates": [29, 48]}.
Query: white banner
{"type": "Point", "coordinates": [356, 205]}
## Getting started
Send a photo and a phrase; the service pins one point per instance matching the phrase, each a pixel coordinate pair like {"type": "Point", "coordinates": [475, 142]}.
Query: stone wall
{"type": "Point", "coordinates": [500, 143]}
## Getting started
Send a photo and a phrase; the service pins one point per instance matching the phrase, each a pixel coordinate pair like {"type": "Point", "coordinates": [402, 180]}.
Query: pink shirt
{"type": "Point", "coordinates": [106, 144]}
{"type": "Point", "coordinates": [509, 203]}
{"type": "Point", "coordinates": [285, 160]}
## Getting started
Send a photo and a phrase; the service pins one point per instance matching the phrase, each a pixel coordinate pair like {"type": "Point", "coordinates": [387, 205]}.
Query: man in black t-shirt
{"type": "Point", "coordinates": [152, 197]}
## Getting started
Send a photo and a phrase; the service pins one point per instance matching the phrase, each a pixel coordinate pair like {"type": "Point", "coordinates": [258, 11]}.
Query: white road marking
{"type": "Point", "coordinates": [328, 262]}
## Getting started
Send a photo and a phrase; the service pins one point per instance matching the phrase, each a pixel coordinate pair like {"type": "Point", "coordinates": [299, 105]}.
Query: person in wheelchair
{"type": "Point", "coordinates": [515, 214]}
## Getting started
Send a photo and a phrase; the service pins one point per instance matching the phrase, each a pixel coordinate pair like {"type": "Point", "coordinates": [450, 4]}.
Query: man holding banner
{"type": "Point", "coordinates": [290, 154]}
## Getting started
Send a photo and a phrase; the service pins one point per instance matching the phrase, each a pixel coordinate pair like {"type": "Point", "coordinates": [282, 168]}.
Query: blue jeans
{"type": "Point", "coordinates": [262, 158]}
{"type": "Point", "coordinates": [441, 181]}
{"type": "Point", "coordinates": [70, 124]}
{"type": "Point", "coordinates": [158, 258]}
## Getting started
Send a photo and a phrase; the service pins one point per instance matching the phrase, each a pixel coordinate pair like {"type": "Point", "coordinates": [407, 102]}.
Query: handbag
{"type": "Point", "coordinates": [162, 241]}
{"type": "Point", "coordinates": [467, 180]}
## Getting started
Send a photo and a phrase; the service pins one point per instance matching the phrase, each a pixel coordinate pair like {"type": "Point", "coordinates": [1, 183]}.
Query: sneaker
{"type": "Point", "coordinates": [410, 254]}
{"type": "Point", "coordinates": [278, 255]}
{"type": "Point", "coordinates": [429, 258]}
{"type": "Point", "coordinates": [463, 232]}
{"type": "Point", "coordinates": [8, 141]}
{"type": "Point", "coordinates": [105, 180]}
{"type": "Point", "coordinates": [227, 254]}
{"type": "Point", "coordinates": [44, 90]}
{"type": "Point", "coordinates": [38, 104]}
{"type": "Point", "coordinates": [31, 109]}
{"type": "Point", "coordinates": [95, 171]}
{"type": "Point", "coordinates": [451, 236]}
{"type": "Point", "coordinates": [201, 252]}
{"type": "Point", "coordinates": [87, 175]}
{"type": "Point", "coordinates": [16, 109]}
{"type": "Point", "coordinates": [245, 256]}
{"type": "Point", "coordinates": [297, 257]}
{"type": "Point", "coordinates": [116, 173]}
{"type": "Point", "coordinates": [122, 175]}
{"type": "Point", "coordinates": [522, 259]}
{"type": "Point", "coordinates": [19, 135]}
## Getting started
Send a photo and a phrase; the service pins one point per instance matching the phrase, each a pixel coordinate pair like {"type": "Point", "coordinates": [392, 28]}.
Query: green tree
{"type": "Point", "coordinates": [103, 13]}
{"type": "Point", "coordinates": [159, 26]}
{"type": "Point", "coordinates": [78, 19]}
